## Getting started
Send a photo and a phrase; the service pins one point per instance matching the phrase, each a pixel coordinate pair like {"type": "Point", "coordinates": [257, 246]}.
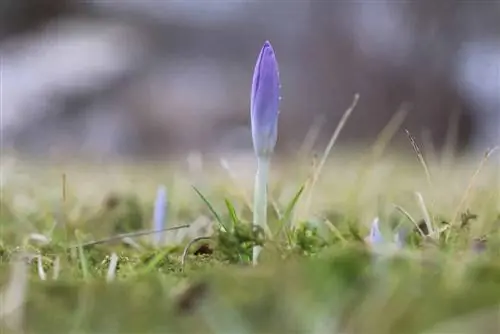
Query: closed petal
{"type": "Point", "coordinates": [265, 97]}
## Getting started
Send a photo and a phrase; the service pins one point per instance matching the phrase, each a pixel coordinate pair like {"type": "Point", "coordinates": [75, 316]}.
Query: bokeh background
{"type": "Point", "coordinates": [149, 78]}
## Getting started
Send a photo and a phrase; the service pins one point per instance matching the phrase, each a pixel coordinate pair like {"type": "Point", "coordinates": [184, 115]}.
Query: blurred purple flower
{"type": "Point", "coordinates": [479, 246]}
{"type": "Point", "coordinates": [400, 236]}
{"type": "Point", "coordinates": [376, 238]}
{"type": "Point", "coordinates": [264, 102]}
{"type": "Point", "coordinates": [159, 213]}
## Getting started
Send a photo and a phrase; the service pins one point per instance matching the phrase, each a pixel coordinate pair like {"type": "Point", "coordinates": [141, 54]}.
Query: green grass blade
{"type": "Point", "coordinates": [153, 263]}
{"type": "Point", "coordinates": [288, 211]}
{"type": "Point", "coordinates": [211, 208]}
{"type": "Point", "coordinates": [232, 212]}
{"type": "Point", "coordinates": [81, 256]}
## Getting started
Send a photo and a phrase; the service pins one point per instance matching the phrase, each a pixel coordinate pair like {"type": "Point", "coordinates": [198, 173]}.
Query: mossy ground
{"type": "Point", "coordinates": [316, 275]}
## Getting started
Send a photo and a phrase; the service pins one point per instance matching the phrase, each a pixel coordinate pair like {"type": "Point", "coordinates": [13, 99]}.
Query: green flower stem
{"type": "Point", "coordinates": [260, 199]}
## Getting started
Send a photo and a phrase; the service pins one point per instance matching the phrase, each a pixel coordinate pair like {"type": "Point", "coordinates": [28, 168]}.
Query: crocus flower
{"type": "Point", "coordinates": [376, 239]}
{"type": "Point", "coordinates": [264, 101]}
{"type": "Point", "coordinates": [159, 213]}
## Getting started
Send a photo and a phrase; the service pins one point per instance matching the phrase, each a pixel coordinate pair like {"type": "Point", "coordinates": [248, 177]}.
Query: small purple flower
{"type": "Point", "coordinates": [264, 102]}
{"type": "Point", "coordinates": [160, 211]}
{"type": "Point", "coordinates": [375, 238]}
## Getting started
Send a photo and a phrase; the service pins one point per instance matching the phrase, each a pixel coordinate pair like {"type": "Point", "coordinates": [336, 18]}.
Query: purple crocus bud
{"type": "Point", "coordinates": [159, 213]}
{"type": "Point", "coordinates": [400, 236]}
{"type": "Point", "coordinates": [264, 102]}
{"type": "Point", "coordinates": [375, 237]}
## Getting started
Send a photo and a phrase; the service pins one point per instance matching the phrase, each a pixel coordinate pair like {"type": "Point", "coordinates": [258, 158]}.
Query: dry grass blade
{"type": "Point", "coordinates": [410, 218]}
{"type": "Point", "coordinates": [335, 231]}
{"type": "Point", "coordinates": [113, 262]}
{"type": "Point", "coordinates": [39, 265]}
{"type": "Point", "coordinates": [186, 249]}
{"type": "Point", "coordinates": [428, 144]}
{"type": "Point", "coordinates": [129, 235]}
{"type": "Point", "coordinates": [335, 136]}
{"type": "Point", "coordinates": [427, 217]}
{"type": "Point", "coordinates": [420, 157]}
{"type": "Point", "coordinates": [472, 181]}
{"type": "Point", "coordinates": [388, 132]}
{"type": "Point", "coordinates": [329, 147]}
{"type": "Point", "coordinates": [451, 140]}
{"type": "Point", "coordinates": [378, 148]}
{"type": "Point", "coordinates": [425, 212]}
{"type": "Point", "coordinates": [64, 187]}
{"type": "Point", "coordinates": [225, 164]}
{"type": "Point", "coordinates": [311, 137]}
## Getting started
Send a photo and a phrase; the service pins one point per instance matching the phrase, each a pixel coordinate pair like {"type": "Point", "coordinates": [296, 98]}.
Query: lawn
{"type": "Point", "coordinates": [60, 272]}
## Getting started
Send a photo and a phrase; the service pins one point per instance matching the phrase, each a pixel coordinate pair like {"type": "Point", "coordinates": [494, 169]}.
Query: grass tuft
{"type": "Point", "coordinates": [97, 270]}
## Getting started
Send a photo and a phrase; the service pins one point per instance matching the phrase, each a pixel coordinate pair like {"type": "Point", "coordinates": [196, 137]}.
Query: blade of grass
{"type": "Point", "coordinates": [420, 157]}
{"type": "Point", "coordinates": [225, 164]}
{"type": "Point", "coordinates": [425, 212]}
{"type": "Point", "coordinates": [128, 235]}
{"type": "Point", "coordinates": [62, 219]}
{"type": "Point", "coordinates": [308, 182]}
{"type": "Point", "coordinates": [188, 246]}
{"type": "Point", "coordinates": [151, 265]}
{"type": "Point", "coordinates": [232, 212]}
{"type": "Point", "coordinates": [288, 211]}
{"type": "Point", "coordinates": [276, 208]}
{"type": "Point", "coordinates": [410, 218]}
{"type": "Point", "coordinates": [429, 219]}
{"type": "Point", "coordinates": [328, 149]}
{"type": "Point", "coordinates": [468, 190]}
{"type": "Point", "coordinates": [335, 230]}
{"type": "Point", "coordinates": [451, 140]}
{"type": "Point", "coordinates": [387, 134]}
{"type": "Point", "coordinates": [81, 256]}
{"type": "Point", "coordinates": [378, 148]}
{"type": "Point", "coordinates": [429, 147]}
{"type": "Point", "coordinates": [39, 265]}
{"type": "Point", "coordinates": [311, 136]}
{"type": "Point", "coordinates": [113, 262]}
{"type": "Point", "coordinates": [210, 207]}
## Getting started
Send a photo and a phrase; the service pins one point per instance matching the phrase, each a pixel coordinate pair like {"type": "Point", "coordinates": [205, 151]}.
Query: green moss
{"type": "Point", "coordinates": [316, 269]}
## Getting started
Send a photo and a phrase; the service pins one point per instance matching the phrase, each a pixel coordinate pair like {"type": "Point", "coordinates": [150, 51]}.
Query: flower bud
{"type": "Point", "coordinates": [264, 102]}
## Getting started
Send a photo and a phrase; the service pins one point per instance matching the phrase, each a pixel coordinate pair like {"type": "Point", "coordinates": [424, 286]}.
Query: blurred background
{"type": "Point", "coordinates": [148, 78]}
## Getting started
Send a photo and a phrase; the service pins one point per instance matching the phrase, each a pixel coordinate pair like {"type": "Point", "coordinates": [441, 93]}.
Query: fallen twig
{"type": "Point", "coordinates": [128, 235]}
{"type": "Point", "coordinates": [186, 249]}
